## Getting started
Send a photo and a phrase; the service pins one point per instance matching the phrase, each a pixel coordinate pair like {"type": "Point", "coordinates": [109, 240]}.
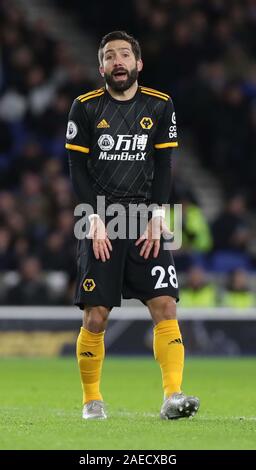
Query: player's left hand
{"type": "Point", "coordinates": [151, 237]}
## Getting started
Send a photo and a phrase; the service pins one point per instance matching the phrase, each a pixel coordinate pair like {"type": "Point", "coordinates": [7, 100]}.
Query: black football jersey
{"type": "Point", "coordinates": [119, 138]}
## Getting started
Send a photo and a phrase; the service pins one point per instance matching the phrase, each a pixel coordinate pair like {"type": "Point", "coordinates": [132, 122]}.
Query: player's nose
{"type": "Point", "coordinates": [117, 62]}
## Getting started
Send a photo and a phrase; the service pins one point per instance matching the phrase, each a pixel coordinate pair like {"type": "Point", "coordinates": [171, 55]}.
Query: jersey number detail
{"type": "Point", "coordinates": [172, 277]}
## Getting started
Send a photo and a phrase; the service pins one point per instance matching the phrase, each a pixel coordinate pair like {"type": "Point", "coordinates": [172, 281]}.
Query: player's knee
{"type": "Point", "coordinates": [95, 319]}
{"type": "Point", "coordinates": [95, 323]}
{"type": "Point", "coordinates": [167, 310]}
{"type": "Point", "coordinates": [164, 309]}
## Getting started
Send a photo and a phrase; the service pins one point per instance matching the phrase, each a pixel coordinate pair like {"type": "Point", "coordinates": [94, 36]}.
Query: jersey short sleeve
{"type": "Point", "coordinates": [77, 136]}
{"type": "Point", "coordinates": [166, 135]}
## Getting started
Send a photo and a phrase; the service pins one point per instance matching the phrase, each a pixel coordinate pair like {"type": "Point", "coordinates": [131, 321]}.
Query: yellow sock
{"type": "Point", "coordinates": [90, 353]}
{"type": "Point", "coordinates": [169, 352]}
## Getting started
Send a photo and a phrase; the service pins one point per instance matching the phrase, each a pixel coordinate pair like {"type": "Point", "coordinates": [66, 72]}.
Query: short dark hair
{"type": "Point", "coordinates": [114, 35]}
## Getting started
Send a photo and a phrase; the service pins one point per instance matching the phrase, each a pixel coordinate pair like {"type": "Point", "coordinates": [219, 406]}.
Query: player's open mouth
{"type": "Point", "coordinates": [122, 75]}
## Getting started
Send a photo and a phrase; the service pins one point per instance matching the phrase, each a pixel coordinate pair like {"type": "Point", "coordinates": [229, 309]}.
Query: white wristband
{"type": "Point", "coordinates": [159, 212]}
{"type": "Point", "coordinates": [91, 216]}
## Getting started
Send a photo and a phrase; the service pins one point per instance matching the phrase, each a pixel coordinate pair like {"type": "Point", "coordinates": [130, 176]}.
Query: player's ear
{"type": "Point", "coordinates": [101, 70]}
{"type": "Point", "coordinates": [139, 65]}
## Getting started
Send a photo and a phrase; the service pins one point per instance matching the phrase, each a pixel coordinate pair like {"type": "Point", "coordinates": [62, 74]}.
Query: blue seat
{"type": "Point", "coordinates": [226, 261]}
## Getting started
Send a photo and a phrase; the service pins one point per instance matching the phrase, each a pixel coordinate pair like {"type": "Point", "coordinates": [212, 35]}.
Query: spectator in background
{"type": "Point", "coordinates": [16, 223]}
{"type": "Point", "coordinates": [5, 138]}
{"type": "Point", "coordinates": [6, 257]}
{"type": "Point", "coordinates": [238, 293]}
{"type": "Point", "coordinates": [77, 81]}
{"type": "Point", "coordinates": [231, 229]}
{"type": "Point", "coordinates": [51, 123]}
{"type": "Point", "coordinates": [31, 288]}
{"type": "Point", "coordinates": [34, 204]}
{"type": "Point", "coordinates": [231, 236]}
{"type": "Point", "coordinates": [198, 291]}
{"type": "Point", "coordinates": [61, 193]}
{"type": "Point", "coordinates": [196, 232]}
{"type": "Point", "coordinates": [196, 235]}
{"type": "Point", "coordinates": [232, 120]}
{"type": "Point", "coordinates": [52, 255]}
{"type": "Point", "coordinates": [40, 90]}
{"type": "Point", "coordinates": [7, 203]}
{"type": "Point", "coordinates": [21, 250]}
{"type": "Point", "coordinates": [30, 160]}
{"type": "Point", "coordinates": [52, 168]}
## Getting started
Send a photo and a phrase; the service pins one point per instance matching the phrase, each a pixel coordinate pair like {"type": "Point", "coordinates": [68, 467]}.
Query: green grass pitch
{"type": "Point", "coordinates": [41, 406]}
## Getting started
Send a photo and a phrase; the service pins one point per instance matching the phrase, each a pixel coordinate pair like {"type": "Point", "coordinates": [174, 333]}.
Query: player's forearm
{"type": "Point", "coordinates": [161, 185]}
{"type": "Point", "coordinates": [81, 180]}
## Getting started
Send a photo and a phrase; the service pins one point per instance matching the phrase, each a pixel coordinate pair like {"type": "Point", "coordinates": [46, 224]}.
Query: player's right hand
{"type": "Point", "coordinates": [100, 242]}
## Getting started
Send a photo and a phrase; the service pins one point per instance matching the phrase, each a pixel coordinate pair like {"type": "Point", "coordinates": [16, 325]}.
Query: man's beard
{"type": "Point", "coordinates": [122, 85]}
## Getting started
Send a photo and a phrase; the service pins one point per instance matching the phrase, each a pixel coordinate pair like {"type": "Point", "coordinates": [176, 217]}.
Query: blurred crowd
{"type": "Point", "coordinates": [38, 81]}
{"type": "Point", "coordinates": [206, 50]}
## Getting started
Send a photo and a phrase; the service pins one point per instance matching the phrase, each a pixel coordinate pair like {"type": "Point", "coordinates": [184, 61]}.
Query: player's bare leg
{"type": "Point", "coordinates": [90, 356]}
{"type": "Point", "coordinates": [169, 352]}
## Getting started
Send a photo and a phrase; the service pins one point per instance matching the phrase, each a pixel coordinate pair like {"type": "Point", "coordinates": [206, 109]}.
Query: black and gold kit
{"type": "Point", "coordinates": [116, 148]}
{"type": "Point", "coordinates": [119, 140]}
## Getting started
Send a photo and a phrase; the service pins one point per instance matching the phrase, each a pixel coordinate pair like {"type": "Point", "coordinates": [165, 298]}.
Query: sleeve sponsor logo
{"type": "Point", "coordinates": [71, 130]}
{"type": "Point", "coordinates": [173, 129]}
{"type": "Point", "coordinates": [172, 132]}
